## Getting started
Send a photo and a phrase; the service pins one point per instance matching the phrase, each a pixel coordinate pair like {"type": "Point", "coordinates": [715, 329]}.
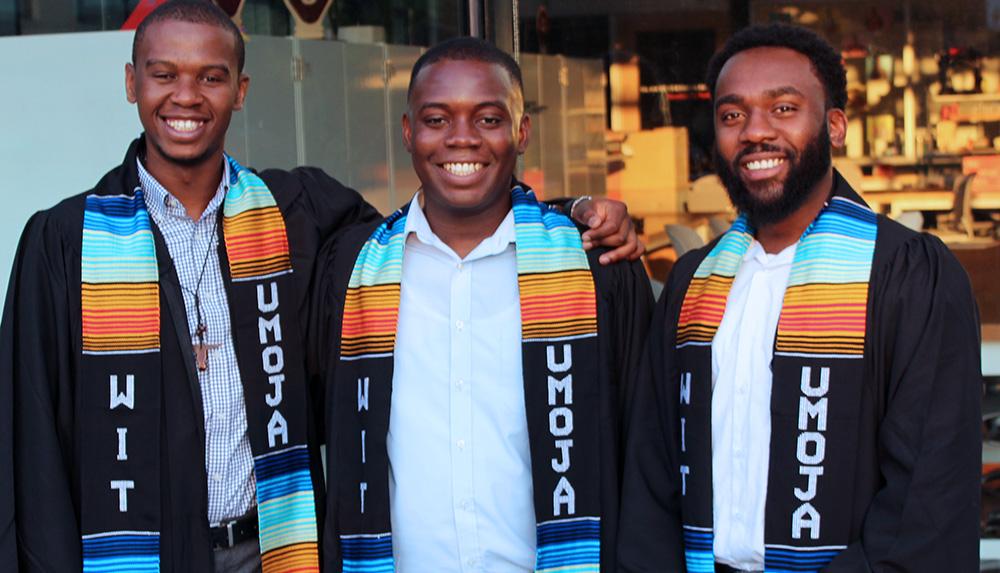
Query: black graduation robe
{"type": "Point", "coordinates": [916, 506]}
{"type": "Point", "coordinates": [624, 306]}
{"type": "Point", "coordinates": [40, 350]}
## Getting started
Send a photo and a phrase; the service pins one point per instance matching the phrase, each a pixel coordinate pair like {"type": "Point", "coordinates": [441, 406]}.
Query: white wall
{"type": "Point", "coordinates": [66, 122]}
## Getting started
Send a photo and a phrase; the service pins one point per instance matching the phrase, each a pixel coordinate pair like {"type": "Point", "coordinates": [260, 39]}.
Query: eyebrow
{"type": "Point", "coordinates": [220, 67]}
{"type": "Point", "coordinates": [771, 94]}
{"type": "Point", "coordinates": [442, 105]}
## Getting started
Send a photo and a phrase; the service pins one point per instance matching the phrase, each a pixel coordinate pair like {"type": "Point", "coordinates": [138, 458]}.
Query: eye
{"type": "Point", "coordinates": [434, 120]}
{"type": "Point", "coordinates": [784, 109]}
{"type": "Point", "coordinates": [213, 79]}
{"type": "Point", "coordinates": [163, 76]}
{"type": "Point", "coordinates": [730, 116]}
{"type": "Point", "coordinates": [491, 120]}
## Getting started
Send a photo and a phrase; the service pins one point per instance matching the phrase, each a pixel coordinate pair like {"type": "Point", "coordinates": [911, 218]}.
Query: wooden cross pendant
{"type": "Point", "coordinates": [201, 349]}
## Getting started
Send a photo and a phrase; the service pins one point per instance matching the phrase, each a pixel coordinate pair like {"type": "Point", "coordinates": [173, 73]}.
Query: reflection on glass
{"type": "Point", "coordinates": [406, 22]}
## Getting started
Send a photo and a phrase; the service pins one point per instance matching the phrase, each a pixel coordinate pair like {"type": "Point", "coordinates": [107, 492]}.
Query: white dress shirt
{"type": "Point", "coordinates": [460, 487]}
{"type": "Point", "coordinates": [741, 405]}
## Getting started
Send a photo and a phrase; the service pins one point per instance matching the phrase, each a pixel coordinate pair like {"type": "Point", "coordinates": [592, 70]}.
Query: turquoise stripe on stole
{"type": "Point", "coordinates": [569, 545]}
{"type": "Point", "coordinates": [367, 553]}
{"type": "Point", "coordinates": [117, 241]}
{"type": "Point", "coordinates": [121, 552]}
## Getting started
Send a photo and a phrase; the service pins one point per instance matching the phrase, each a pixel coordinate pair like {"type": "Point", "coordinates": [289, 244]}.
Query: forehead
{"type": "Point", "coordinates": [450, 80]}
{"type": "Point", "coordinates": [757, 71]}
{"type": "Point", "coordinates": [179, 40]}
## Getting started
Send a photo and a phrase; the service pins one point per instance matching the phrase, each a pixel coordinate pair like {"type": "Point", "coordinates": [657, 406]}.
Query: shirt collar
{"type": "Point", "coordinates": [161, 203]}
{"type": "Point", "coordinates": [417, 225]}
{"type": "Point", "coordinates": [757, 253]}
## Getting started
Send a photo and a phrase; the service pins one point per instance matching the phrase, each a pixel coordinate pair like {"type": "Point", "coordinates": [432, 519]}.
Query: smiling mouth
{"type": "Point", "coordinates": [462, 169]}
{"type": "Point", "coordinates": [184, 125]}
{"type": "Point", "coordinates": [762, 164]}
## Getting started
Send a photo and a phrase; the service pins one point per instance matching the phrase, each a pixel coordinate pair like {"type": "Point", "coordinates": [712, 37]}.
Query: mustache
{"type": "Point", "coordinates": [761, 148]}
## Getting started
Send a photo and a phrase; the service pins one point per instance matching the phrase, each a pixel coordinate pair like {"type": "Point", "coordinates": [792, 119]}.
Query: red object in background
{"type": "Point", "coordinates": [140, 13]}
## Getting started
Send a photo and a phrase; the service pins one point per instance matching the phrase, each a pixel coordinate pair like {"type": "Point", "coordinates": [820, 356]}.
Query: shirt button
{"type": "Point", "coordinates": [460, 444]}
{"type": "Point", "coordinates": [459, 266]}
{"type": "Point", "coordinates": [459, 325]}
{"type": "Point", "coordinates": [466, 504]}
{"type": "Point", "coordinates": [217, 477]}
{"type": "Point", "coordinates": [471, 561]}
{"type": "Point", "coordinates": [460, 384]}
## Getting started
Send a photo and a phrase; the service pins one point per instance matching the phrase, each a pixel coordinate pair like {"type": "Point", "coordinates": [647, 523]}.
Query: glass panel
{"type": "Point", "coordinates": [405, 22]}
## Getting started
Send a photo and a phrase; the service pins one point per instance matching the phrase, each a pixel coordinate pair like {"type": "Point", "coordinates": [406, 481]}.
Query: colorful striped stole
{"type": "Point", "coordinates": [816, 369]}
{"type": "Point", "coordinates": [120, 308]}
{"type": "Point", "coordinates": [559, 336]}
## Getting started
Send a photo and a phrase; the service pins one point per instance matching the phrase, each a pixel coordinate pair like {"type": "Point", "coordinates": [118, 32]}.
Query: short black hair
{"type": "Point", "coordinates": [467, 48]}
{"type": "Point", "coordinates": [195, 12]}
{"type": "Point", "coordinates": [826, 62]}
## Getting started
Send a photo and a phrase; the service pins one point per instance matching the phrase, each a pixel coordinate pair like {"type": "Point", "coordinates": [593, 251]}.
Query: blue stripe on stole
{"type": "Point", "coordinates": [124, 552]}
{"type": "Point", "coordinates": [380, 258]}
{"type": "Point", "coordinates": [285, 499]}
{"type": "Point", "coordinates": [804, 560]}
{"type": "Point", "coordinates": [282, 474]}
{"type": "Point", "coordinates": [120, 226]}
{"type": "Point", "coordinates": [367, 554]}
{"type": "Point", "coordinates": [574, 542]}
{"type": "Point", "coordinates": [118, 214]}
{"type": "Point", "coordinates": [851, 209]}
{"type": "Point", "coordinates": [698, 550]}
{"type": "Point", "coordinates": [118, 243]}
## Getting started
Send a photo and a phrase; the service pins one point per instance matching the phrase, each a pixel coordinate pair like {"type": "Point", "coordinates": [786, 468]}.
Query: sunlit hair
{"type": "Point", "coordinates": [467, 48]}
{"type": "Point", "coordinates": [826, 62]}
{"type": "Point", "coordinates": [195, 12]}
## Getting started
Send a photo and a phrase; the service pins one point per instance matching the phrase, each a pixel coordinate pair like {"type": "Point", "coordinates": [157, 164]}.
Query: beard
{"type": "Point", "coordinates": [772, 204]}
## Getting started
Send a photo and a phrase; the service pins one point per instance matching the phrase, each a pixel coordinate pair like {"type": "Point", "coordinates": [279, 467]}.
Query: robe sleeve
{"type": "Point", "coordinates": [333, 205]}
{"type": "Point", "coordinates": [650, 534]}
{"type": "Point", "coordinates": [36, 356]}
{"type": "Point", "coordinates": [926, 361]}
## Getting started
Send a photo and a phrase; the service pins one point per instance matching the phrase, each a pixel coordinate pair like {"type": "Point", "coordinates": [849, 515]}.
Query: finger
{"type": "Point", "coordinates": [603, 230]}
{"type": "Point", "coordinates": [614, 255]}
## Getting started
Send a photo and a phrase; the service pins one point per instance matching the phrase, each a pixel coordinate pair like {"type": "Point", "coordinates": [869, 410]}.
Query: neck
{"type": "Point", "coordinates": [193, 185]}
{"type": "Point", "coordinates": [464, 230]}
{"type": "Point", "coordinates": [775, 237]}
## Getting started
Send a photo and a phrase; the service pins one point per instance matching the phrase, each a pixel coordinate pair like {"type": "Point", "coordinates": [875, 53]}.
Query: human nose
{"type": "Point", "coordinates": [757, 128]}
{"type": "Point", "coordinates": [463, 133]}
{"type": "Point", "coordinates": [187, 92]}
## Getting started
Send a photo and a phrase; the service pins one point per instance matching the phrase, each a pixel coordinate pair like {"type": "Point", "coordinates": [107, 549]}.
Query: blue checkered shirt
{"type": "Point", "coordinates": [228, 458]}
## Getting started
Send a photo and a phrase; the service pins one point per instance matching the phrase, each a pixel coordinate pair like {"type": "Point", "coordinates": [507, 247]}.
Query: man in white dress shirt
{"type": "Point", "coordinates": [815, 387]}
{"type": "Point", "coordinates": [502, 347]}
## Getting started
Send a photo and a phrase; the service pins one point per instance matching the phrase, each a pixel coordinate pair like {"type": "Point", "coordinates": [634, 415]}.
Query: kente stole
{"type": "Point", "coordinates": [816, 390]}
{"type": "Point", "coordinates": [559, 353]}
{"type": "Point", "coordinates": [122, 379]}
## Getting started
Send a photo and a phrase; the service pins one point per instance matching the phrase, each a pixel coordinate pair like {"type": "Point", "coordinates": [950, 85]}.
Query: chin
{"type": "Point", "coordinates": [185, 155]}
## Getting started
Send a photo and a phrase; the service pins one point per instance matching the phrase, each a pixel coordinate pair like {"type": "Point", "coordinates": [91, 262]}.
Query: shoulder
{"type": "Point", "coordinates": [62, 221]}
{"type": "Point", "coordinates": [899, 248]}
{"type": "Point", "coordinates": [339, 253]}
{"type": "Point", "coordinates": [289, 185]}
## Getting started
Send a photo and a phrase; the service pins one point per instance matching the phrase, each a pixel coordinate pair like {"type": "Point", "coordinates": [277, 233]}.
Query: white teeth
{"type": "Point", "coordinates": [462, 169]}
{"type": "Point", "coordinates": [184, 125]}
{"type": "Point", "coordinates": [764, 164]}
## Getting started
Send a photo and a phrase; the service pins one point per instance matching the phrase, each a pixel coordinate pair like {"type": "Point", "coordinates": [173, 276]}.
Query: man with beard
{"type": "Point", "coordinates": [152, 339]}
{"type": "Point", "coordinates": [813, 391]}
